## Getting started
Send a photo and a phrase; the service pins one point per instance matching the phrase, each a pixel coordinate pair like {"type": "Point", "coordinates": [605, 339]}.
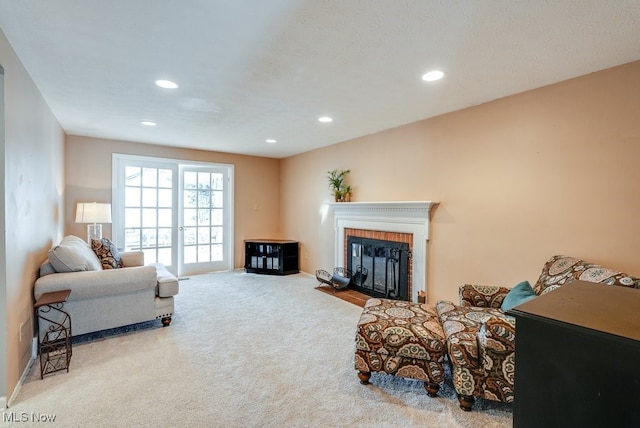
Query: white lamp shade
{"type": "Point", "coordinates": [93, 212]}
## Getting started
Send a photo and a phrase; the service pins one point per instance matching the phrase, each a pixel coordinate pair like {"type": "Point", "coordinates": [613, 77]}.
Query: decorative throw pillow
{"type": "Point", "coordinates": [107, 253]}
{"type": "Point", "coordinates": [519, 294]}
{"type": "Point", "coordinates": [72, 255]}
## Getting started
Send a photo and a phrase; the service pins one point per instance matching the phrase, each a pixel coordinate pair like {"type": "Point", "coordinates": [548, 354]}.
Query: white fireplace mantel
{"type": "Point", "coordinates": [405, 217]}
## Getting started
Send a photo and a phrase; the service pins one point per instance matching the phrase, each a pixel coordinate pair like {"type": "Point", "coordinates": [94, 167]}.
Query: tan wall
{"type": "Point", "coordinates": [550, 171]}
{"type": "Point", "coordinates": [33, 171]}
{"type": "Point", "coordinates": [256, 184]}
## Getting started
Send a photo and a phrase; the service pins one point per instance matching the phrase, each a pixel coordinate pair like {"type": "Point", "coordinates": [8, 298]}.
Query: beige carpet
{"type": "Point", "coordinates": [244, 350]}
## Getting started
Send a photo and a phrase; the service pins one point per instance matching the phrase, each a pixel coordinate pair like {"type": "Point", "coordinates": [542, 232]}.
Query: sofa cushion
{"type": "Point", "coordinates": [73, 255]}
{"type": "Point", "coordinates": [99, 284]}
{"type": "Point", "coordinates": [107, 253]}
{"type": "Point", "coordinates": [560, 270]}
{"type": "Point", "coordinates": [521, 293]}
{"type": "Point", "coordinates": [46, 268]}
{"type": "Point", "coordinates": [461, 325]}
{"type": "Point", "coordinates": [485, 296]}
{"type": "Point", "coordinates": [132, 258]}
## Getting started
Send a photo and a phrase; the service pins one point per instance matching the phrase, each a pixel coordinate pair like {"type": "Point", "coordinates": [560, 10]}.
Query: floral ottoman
{"type": "Point", "coordinates": [402, 339]}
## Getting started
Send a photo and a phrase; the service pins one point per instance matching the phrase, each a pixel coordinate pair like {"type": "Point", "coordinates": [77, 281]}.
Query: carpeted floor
{"type": "Point", "coordinates": [243, 350]}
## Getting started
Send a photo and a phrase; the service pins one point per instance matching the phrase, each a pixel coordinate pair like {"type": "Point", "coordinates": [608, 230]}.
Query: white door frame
{"type": "Point", "coordinates": [116, 196]}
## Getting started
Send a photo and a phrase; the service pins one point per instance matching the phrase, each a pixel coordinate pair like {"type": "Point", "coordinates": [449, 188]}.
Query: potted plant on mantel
{"type": "Point", "coordinates": [341, 192]}
{"type": "Point", "coordinates": [346, 193]}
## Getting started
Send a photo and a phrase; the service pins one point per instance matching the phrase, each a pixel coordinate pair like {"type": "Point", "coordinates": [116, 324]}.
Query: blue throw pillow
{"type": "Point", "coordinates": [519, 294]}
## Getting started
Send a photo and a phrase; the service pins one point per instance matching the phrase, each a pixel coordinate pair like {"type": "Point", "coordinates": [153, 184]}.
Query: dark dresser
{"type": "Point", "coordinates": [578, 358]}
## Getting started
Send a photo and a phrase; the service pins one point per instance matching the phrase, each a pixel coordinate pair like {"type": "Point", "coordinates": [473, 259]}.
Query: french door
{"type": "Point", "coordinates": [202, 219]}
{"type": "Point", "coordinates": [179, 214]}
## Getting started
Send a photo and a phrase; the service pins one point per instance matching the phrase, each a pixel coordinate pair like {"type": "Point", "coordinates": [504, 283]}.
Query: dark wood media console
{"type": "Point", "coordinates": [271, 256]}
{"type": "Point", "coordinates": [578, 358]}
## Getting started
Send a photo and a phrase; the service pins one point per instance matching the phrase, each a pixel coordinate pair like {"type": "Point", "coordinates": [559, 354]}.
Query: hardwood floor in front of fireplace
{"type": "Point", "coordinates": [348, 295]}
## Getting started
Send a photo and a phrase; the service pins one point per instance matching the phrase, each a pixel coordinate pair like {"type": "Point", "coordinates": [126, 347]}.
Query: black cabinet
{"type": "Point", "coordinates": [578, 358]}
{"type": "Point", "coordinates": [271, 256]}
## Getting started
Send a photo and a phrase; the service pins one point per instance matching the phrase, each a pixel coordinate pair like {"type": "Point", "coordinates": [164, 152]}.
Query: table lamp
{"type": "Point", "coordinates": [94, 214]}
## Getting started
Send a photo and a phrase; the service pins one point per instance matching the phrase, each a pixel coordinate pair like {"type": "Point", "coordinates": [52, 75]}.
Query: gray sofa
{"type": "Point", "coordinates": [107, 298]}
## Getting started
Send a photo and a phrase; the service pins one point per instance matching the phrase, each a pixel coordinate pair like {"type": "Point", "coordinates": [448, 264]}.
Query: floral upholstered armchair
{"type": "Point", "coordinates": [481, 337]}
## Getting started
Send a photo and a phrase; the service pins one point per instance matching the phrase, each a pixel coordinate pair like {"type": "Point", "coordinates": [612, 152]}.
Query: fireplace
{"type": "Point", "coordinates": [380, 268]}
{"type": "Point", "coordinates": [391, 221]}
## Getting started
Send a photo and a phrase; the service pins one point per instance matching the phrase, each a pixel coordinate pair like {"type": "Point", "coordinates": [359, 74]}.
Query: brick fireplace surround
{"type": "Point", "coordinates": [398, 221]}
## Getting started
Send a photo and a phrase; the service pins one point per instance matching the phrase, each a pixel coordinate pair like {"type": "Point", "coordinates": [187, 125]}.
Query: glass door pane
{"type": "Point", "coordinates": [148, 213]}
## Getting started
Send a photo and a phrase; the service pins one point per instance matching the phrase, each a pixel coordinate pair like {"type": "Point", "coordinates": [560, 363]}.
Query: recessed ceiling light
{"type": "Point", "coordinates": [325, 119]}
{"type": "Point", "coordinates": [148, 123]}
{"type": "Point", "coordinates": [432, 76]}
{"type": "Point", "coordinates": [270, 141]}
{"type": "Point", "coordinates": [166, 84]}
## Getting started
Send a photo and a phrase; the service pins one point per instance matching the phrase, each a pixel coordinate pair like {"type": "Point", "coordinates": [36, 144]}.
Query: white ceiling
{"type": "Point", "coordinates": [249, 70]}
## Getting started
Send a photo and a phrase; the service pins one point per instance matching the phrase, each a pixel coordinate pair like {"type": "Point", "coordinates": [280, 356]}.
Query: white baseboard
{"type": "Point", "coordinates": [16, 390]}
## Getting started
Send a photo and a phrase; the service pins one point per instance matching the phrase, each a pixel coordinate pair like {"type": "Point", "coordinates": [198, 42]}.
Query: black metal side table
{"type": "Point", "coordinates": [54, 332]}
